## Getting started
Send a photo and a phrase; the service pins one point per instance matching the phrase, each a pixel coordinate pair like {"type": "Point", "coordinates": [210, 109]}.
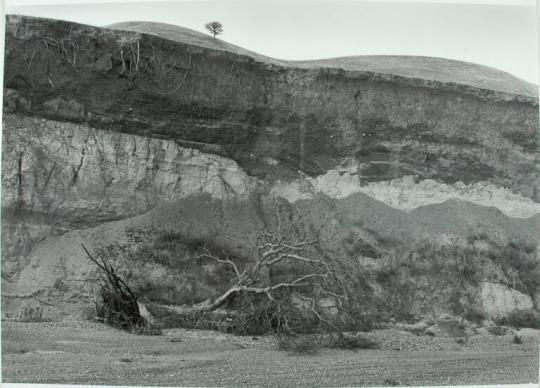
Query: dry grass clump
{"type": "Point", "coordinates": [31, 313]}
{"type": "Point", "coordinates": [517, 339]}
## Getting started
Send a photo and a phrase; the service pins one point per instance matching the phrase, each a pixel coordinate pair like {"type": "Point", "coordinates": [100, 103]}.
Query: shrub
{"type": "Point", "coordinates": [147, 329]}
{"type": "Point", "coordinates": [88, 313]}
{"type": "Point", "coordinates": [354, 341]}
{"type": "Point", "coordinates": [31, 313]}
{"type": "Point", "coordinates": [61, 285]}
{"type": "Point", "coordinates": [519, 257]}
{"type": "Point", "coordinates": [474, 315]}
{"type": "Point", "coordinates": [497, 330]}
{"type": "Point", "coordinates": [455, 303]}
{"type": "Point", "coordinates": [284, 341]}
{"type": "Point", "coordinates": [517, 339]}
{"type": "Point", "coordinates": [304, 346]}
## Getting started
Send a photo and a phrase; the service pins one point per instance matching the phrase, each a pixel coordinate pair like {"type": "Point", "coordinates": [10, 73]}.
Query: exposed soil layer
{"type": "Point", "coordinates": [307, 118]}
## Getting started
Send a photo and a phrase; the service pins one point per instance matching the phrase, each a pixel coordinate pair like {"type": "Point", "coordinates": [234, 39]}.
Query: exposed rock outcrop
{"type": "Point", "coordinates": [500, 301]}
{"type": "Point", "coordinates": [156, 131]}
{"type": "Point", "coordinates": [82, 176]}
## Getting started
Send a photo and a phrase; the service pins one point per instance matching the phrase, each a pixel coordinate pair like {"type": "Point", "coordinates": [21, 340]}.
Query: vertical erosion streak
{"type": "Point", "coordinates": [302, 144]}
{"type": "Point", "coordinates": [19, 176]}
{"type": "Point", "coordinates": [78, 168]}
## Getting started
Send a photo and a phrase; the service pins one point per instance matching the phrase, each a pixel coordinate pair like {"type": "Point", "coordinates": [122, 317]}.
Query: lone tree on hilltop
{"type": "Point", "coordinates": [216, 28]}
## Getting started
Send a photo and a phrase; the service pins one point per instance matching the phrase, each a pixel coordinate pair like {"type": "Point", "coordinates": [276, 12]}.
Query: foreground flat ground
{"type": "Point", "coordinates": [90, 353]}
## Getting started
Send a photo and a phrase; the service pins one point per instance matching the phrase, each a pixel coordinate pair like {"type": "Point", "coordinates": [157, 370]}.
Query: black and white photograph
{"type": "Point", "coordinates": [250, 193]}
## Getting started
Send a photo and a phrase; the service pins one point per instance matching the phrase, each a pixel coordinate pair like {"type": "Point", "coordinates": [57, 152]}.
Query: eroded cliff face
{"type": "Point", "coordinates": [275, 120]}
{"type": "Point", "coordinates": [109, 134]}
{"type": "Point", "coordinates": [64, 176]}
{"type": "Point", "coordinates": [85, 176]}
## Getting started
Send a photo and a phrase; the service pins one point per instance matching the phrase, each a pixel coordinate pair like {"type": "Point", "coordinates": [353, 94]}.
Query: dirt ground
{"type": "Point", "coordinates": [91, 353]}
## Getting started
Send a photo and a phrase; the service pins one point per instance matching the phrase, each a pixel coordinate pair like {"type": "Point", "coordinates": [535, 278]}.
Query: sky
{"type": "Point", "coordinates": [499, 33]}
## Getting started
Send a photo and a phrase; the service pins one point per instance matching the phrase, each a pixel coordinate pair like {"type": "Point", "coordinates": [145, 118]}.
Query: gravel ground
{"type": "Point", "coordinates": [90, 353]}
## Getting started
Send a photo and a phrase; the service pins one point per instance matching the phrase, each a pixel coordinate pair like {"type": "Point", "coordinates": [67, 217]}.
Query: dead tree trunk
{"type": "Point", "coordinates": [120, 308]}
{"type": "Point", "coordinates": [314, 279]}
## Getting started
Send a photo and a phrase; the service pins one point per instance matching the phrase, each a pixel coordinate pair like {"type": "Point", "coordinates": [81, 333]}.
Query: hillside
{"type": "Point", "coordinates": [149, 141]}
{"type": "Point", "coordinates": [426, 68]}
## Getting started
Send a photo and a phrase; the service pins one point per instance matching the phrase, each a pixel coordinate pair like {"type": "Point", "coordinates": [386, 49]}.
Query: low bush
{"type": "Point", "coordinates": [521, 318]}
{"type": "Point", "coordinates": [88, 313]}
{"type": "Point", "coordinates": [304, 346]}
{"type": "Point", "coordinates": [497, 330]}
{"type": "Point", "coordinates": [475, 315]}
{"type": "Point", "coordinates": [354, 342]}
{"type": "Point", "coordinates": [517, 340]}
{"type": "Point", "coordinates": [31, 313]}
{"type": "Point", "coordinates": [284, 342]}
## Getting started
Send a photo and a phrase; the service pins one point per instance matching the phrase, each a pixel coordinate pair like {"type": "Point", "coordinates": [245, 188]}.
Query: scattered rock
{"type": "Point", "coordinates": [418, 328]}
{"type": "Point", "coordinates": [482, 331]}
{"type": "Point", "coordinates": [64, 108]}
{"type": "Point", "coordinates": [99, 119]}
{"type": "Point", "coordinates": [447, 326]}
{"type": "Point", "coordinates": [434, 331]}
{"type": "Point", "coordinates": [39, 351]}
{"type": "Point", "coordinates": [14, 101]}
{"type": "Point", "coordinates": [528, 335]}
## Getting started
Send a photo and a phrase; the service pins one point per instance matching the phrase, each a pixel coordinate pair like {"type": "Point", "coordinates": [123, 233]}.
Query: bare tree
{"type": "Point", "coordinates": [215, 28]}
{"type": "Point", "coordinates": [118, 305]}
{"type": "Point", "coordinates": [308, 289]}
{"type": "Point", "coordinates": [291, 284]}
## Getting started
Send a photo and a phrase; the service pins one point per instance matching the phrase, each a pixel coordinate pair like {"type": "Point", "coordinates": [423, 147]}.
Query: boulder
{"type": "Point", "coordinates": [434, 331]}
{"type": "Point", "coordinates": [447, 326]}
{"type": "Point", "coordinates": [528, 334]}
{"type": "Point", "coordinates": [14, 101]}
{"type": "Point", "coordinates": [500, 301]}
{"type": "Point", "coordinates": [483, 331]}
